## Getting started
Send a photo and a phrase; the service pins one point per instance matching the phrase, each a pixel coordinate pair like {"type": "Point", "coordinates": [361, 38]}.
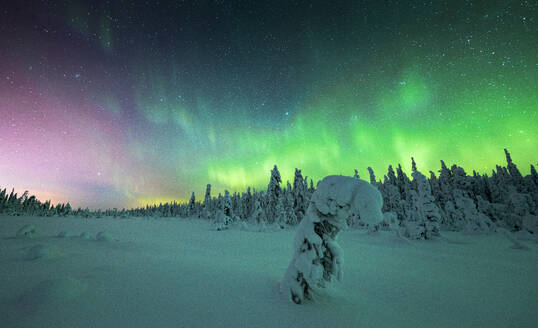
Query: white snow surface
{"type": "Point", "coordinates": [183, 273]}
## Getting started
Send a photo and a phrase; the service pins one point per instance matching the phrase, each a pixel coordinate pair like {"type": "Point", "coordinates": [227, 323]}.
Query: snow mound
{"type": "Point", "coordinates": [43, 252]}
{"type": "Point", "coordinates": [526, 236]}
{"type": "Point", "coordinates": [86, 235]}
{"type": "Point", "coordinates": [52, 293]}
{"type": "Point", "coordinates": [413, 229]}
{"type": "Point", "coordinates": [28, 231]}
{"type": "Point", "coordinates": [103, 236]}
{"type": "Point", "coordinates": [515, 243]}
{"type": "Point", "coordinates": [64, 234]}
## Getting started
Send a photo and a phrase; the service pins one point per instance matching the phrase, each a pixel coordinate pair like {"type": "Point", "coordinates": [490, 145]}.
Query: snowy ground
{"type": "Point", "coordinates": [180, 273]}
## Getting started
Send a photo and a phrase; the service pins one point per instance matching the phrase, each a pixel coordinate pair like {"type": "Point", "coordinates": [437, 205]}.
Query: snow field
{"type": "Point", "coordinates": [182, 273]}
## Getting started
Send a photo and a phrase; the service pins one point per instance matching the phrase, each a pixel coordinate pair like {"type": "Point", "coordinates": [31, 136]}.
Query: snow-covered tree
{"type": "Point", "coordinates": [258, 214]}
{"type": "Point", "coordinates": [207, 206]}
{"type": "Point", "coordinates": [424, 217]}
{"type": "Point", "coordinates": [372, 176]}
{"type": "Point", "coordinates": [281, 215]}
{"type": "Point", "coordinates": [248, 204]}
{"type": "Point", "coordinates": [299, 194]}
{"type": "Point", "coordinates": [318, 258]}
{"type": "Point", "coordinates": [67, 209]}
{"type": "Point", "coordinates": [516, 176]}
{"type": "Point", "coordinates": [224, 215]}
{"type": "Point", "coordinates": [273, 194]}
{"type": "Point", "coordinates": [192, 206]}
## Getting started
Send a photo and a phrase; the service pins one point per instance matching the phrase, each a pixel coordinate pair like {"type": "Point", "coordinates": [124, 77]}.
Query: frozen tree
{"type": "Point", "coordinates": [207, 197]}
{"type": "Point", "coordinates": [289, 202]}
{"type": "Point", "coordinates": [392, 199]}
{"type": "Point", "coordinates": [311, 189]}
{"type": "Point", "coordinates": [514, 172]}
{"type": "Point", "coordinates": [236, 208]}
{"type": "Point", "coordinates": [425, 216]}
{"type": "Point", "coordinates": [224, 215]}
{"type": "Point", "coordinates": [281, 215]}
{"type": "Point", "coordinates": [533, 175]}
{"type": "Point", "coordinates": [248, 204]}
{"type": "Point", "coordinates": [318, 257]}
{"type": "Point", "coordinates": [273, 194]}
{"type": "Point", "coordinates": [493, 190]}
{"type": "Point", "coordinates": [391, 176]}
{"type": "Point", "coordinates": [206, 207]}
{"type": "Point", "coordinates": [67, 209]}
{"type": "Point", "coordinates": [258, 213]}
{"type": "Point", "coordinates": [532, 186]}
{"type": "Point", "coordinates": [518, 206]}
{"type": "Point", "coordinates": [299, 195]}
{"type": "Point", "coordinates": [403, 182]}
{"type": "Point", "coordinates": [192, 206]}
{"type": "Point", "coordinates": [372, 176]}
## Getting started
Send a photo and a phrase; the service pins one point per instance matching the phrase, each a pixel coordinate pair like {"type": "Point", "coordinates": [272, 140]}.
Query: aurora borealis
{"type": "Point", "coordinates": [120, 104]}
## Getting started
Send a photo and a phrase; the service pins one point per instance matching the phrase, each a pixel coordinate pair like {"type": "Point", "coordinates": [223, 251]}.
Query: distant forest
{"type": "Point", "coordinates": [450, 200]}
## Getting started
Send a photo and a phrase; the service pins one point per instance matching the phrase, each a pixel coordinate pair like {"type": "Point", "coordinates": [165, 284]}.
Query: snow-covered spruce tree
{"type": "Point", "coordinates": [289, 201]}
{"type": "Point", "coordinates": [299, 195]}
{"type": "Point", "coordinates": [67, 209]}
{"type": "Point", "coordinates": [532, 186]}
{"type": "Point", "coordinates": [467, 217]}
{"type": "Point", "coordinates": [392, 197]}
{"type": "Point", "coordinates": [311, 189]}
{"type": "Point", "coordinates": [207, 197]}
{"type": "Point", "coordinates": [224, 216]}
{"type": "Point", "coordinates": [404, 184]}
{"type": "Point", "coordinates": [372, 176]}
{"type": "Point", "coordinates": [258, 213]}
{"type": "Point", "coordinates": [442, 191]}
{"type": "Point", "coordinates": [192, 206]}
{"type": "Point", "coordinates": [281, 215]}
{"type": "Point", "coordinates": [273, 194]}
{"type": "Point", "coordinates": [3, 200]}
{"type": "Point", "coordinates": [533, 178]}
{"type": "Point", "coordinates": [424, 217]}
{"type": "Point", "coordinates": [318, 257]}
{"type": "Point", "coordinates": [516, 176]}
{"type": "Point", "coordinates": [247, 202]}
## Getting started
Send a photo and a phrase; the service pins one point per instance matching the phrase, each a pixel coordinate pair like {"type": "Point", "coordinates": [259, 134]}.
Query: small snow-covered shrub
{"type": "Point", "coordinates": [103, 236]}
{"type": "Point", "coordinates": [530, 223]}
{"type": "Point", "coordinates": [28, 231]}
{"type": "Point", "coordinates": [222, 221]}
{"type": "Point", "coordinates": [413, 229]}
{"type": "Point", "coordinates": [389, 222]}
{"type": "Point", "coordinates": [480, 224]}
{"type": "Point", "coordinates": [86, 235]}
{"type": "Point", "coordinates": [63, 234]}
{"type": "Point", "coordinates": [42, 252]}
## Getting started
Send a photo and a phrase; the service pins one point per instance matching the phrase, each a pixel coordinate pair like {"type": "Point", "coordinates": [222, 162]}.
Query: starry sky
{"type": "Point", "coordinates": [124, 103]}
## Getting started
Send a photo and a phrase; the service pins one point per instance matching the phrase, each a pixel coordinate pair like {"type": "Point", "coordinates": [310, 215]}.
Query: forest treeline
{"type": "Point", "coordinates": [419, 205]}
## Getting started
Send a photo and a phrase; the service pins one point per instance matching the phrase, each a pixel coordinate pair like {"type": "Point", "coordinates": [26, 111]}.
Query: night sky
{"type": "Point", "coordinates": [123, 103]}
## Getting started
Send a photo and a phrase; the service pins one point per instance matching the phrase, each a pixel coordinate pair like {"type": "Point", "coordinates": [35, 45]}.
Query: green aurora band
{"type": "Point", "coordinates": [430, 116]}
